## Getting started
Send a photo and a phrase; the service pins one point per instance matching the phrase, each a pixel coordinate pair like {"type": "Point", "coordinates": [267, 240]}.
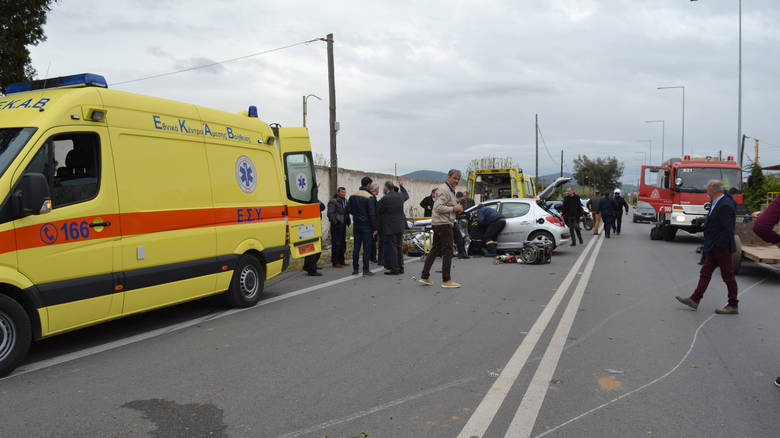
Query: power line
{"type": "Point", "coordinates": [545, 148]}
{"type": "Point", "coordinates": [159, 75]}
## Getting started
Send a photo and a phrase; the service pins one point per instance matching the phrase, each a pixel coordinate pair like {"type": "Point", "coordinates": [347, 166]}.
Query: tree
{"type": "Point", "coordinates": [21, 25]}
{"type": "Point", "coordinates": [490, 162]}
{"type": "Point", "coordinates": [601, 173]}
{"type": "Point", "coordinates": [755, 189]}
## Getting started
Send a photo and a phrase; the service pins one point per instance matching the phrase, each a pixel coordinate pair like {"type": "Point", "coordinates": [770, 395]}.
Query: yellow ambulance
{"type": "Point", "coordinates": [115, 203]}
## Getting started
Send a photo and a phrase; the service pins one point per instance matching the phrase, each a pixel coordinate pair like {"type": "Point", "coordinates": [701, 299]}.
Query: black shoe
{"type": "Point", "coordinates": [392, 272]}
{"type": "Point", "coordinates": [463, 256]}
{"type": "Point", "coordinates": [401, 270]}
{"type": "Point", "coordinates": [315, 274]}
{"type": "Point", "coordinates": [581, 242]}
{"type": "Point", "coordinates": [355, 272]}
{"type": "Point", "coordinates": [368, 274]}
{"type": "Point", "coordinates": [777, 382]}
{"type": "Point", "coordinates": [573, 244]}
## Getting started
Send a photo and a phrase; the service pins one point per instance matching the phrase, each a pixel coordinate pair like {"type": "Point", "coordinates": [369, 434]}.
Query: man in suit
{"type": "Point", "coordinates": [391, 209]}
{"type": "Point", "coordinates": [718, 246]}
{"type": "Point", "coordinates": [339, 221]}
{"type": "Point", "coordinates": [607, 209]}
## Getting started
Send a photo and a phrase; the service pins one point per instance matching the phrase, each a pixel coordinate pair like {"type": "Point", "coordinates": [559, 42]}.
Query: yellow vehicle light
{"type": "Point", "coordinates": [678, 207]}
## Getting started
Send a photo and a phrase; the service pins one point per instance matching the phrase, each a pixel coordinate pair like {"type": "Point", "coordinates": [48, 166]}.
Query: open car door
{"type": "Point", "coordinates": [654, 188]}
{"type": "Point", "coordinates": [303, 206]}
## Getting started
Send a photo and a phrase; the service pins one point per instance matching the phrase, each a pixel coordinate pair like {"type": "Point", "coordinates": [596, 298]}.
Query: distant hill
{"type": "Point", "coordinates": [433, 175]}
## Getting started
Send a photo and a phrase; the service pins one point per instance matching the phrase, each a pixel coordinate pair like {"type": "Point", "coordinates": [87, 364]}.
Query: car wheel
{"type": "Point", "coordinates": [669, 233]}
{"type": "Point", "coordinates": [247, 283]}
{"type": "Point", "coordinates": [15, 334]}
{"type": "Point", "coordinates": [540, 235]}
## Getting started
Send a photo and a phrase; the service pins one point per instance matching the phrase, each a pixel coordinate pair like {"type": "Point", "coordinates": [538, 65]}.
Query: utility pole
{"type": "Point", "coordinates": [561, 163]}
{"type": "Point", "coordinates": [536, 180]}
{"type": "Point", "coordinates": [334, 163]}
{"type": "Point", "coordinates": [741, 150]}
{"type": "Point", "coordinates": [756, 150]}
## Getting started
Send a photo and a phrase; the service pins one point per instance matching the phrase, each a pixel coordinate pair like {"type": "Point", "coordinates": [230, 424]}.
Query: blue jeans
{"type": "Point", "coordinates": [365, 239]}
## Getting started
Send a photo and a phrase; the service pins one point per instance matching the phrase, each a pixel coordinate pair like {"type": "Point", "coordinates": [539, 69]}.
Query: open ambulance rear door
{"type": "Point", "coordinates": [303, 206]}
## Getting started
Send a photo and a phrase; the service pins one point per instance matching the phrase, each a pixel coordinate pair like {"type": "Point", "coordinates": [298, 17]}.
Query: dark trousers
{"type": "Point", "coordinates": [608, 223]}
{"type": "Point", "coordinates": [574, 228]}
{"type": "Point", "coordinates": [459, 243]}
{"type": "Point", "coordinates": [310, 262]}
{"type": "Point", "coordinates": [442, 246]}
{"type": "Point", "coordinates": [491, 232]}
{"type": "Point", "coordinates": [338, 241]}
{"type": "Point", "coordinates": [394, 256]}
{"type": "Point", "coordinates": [365, 239]}
{"type": "Point", "coordinates": [618, 222]}
{"type": "Point", "coordinates": [717, 258]}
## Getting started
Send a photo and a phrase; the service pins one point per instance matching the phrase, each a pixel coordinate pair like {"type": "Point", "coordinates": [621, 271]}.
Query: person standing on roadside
{"type": "Point", "coordinates": [310, 261]}
{"type": "Point", "coordinates": [391, 208]}
{"type": "Point", "coordinates": [427, 204]}
{"type": "Point", "coordinates": [607, 209]}
{"type": "Point", "coordinates": [593, 206]}
{"type": "Point", "coordinates": [621, 205]}
{"type": "Point", "coordinates": [456, 234]}
{"type": "Point", "coordinates": [444, 211]}
{"type": "Point", "coordinates": [572, 213]}
{"type": "Point", "coordinates": [362, 207]}
{"type": "Point", "coordinates": [718, 246]}
{"type": "Point", "coordinates": [339, 221]}
{"type": "Point", "coordinates": [763, 229]}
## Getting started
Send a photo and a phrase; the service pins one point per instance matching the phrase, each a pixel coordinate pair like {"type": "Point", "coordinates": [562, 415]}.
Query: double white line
{"type": "Point", "coordinates": [523, 422]}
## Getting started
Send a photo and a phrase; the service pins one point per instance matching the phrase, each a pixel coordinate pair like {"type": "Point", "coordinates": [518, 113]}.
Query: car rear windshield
{"type": "Point", "coordinates": [12, 140]}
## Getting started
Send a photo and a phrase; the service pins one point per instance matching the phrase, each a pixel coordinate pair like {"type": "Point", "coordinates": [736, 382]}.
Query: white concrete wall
{"type": "Point", "coordinates": [350, 179]}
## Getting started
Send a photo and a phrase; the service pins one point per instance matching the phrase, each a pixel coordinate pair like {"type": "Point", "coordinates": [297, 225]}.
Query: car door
{"type": "Point", "coordinates": [68, 253]}
{"type": "Point", "coordinates": [518, 223]}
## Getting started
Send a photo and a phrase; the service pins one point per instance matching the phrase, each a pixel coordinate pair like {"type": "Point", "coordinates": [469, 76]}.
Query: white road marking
{"type": "Point", "coordinates": [486, 410]}
{"type": "Point", "coordinates": [36, 366]}
{"type": "Point", "coordinates": [653, 382]}
{"type": "Point", "coordinates": [376, 409]}
{"type": "Point", "coordinates": [522, 424]}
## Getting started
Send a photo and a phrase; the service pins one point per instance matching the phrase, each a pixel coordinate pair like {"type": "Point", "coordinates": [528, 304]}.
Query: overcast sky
{"type": "Point", "coordinates": [431, 85]}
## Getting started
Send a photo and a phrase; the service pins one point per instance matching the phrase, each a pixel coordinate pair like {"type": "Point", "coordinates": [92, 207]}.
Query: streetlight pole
{"type": "Point", "coordinates": [663, 134]}
{"type": "Point", "coordinates": [304, 106]}
{"type": "Point", "coordinates": [650, 154]}
{"type": "Point", "coordinates": [739, 93]}
{"type": "Point", "coordinates": [682, 87]}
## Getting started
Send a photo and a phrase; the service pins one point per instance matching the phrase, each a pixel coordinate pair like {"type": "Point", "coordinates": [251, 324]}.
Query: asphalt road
{"type": "Point", "coordinates": [591, 345]}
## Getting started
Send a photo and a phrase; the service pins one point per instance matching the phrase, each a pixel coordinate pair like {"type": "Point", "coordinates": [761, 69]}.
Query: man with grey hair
{"type": "Point", "coordinates": [445, 209]}
{"type": "Point", "coordinates": [718, 246]}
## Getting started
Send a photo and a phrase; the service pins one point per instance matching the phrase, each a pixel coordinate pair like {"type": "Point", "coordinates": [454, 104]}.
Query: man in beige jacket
{"type": "Point", "coordinates": [445, 210]}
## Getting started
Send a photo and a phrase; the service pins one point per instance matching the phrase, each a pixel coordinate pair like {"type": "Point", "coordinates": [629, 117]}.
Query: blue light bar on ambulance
{"type": "Point", "coordinates": [85, 79]}
{"type": "Point", "coordinates": [252, 111]}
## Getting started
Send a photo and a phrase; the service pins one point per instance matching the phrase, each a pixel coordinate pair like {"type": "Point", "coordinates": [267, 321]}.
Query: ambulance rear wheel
{"type": "Point", "coordinates": [247, 283]}
{"type": "Point", "coordinates": [15, 334]}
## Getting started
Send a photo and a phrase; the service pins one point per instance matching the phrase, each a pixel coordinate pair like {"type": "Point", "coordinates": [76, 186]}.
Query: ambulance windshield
{"type": "Point", "coordinates": [12, 140]}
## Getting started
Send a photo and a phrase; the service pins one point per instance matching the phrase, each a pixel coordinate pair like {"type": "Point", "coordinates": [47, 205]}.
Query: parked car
{"type": "Point", "coordinates": [644, 212]}
{"type": "Point", "coordinates": [526, 219]}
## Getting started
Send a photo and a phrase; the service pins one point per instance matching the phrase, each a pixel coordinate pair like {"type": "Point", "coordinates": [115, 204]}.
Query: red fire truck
{"type": "Point", "coordinates": [677, 192]}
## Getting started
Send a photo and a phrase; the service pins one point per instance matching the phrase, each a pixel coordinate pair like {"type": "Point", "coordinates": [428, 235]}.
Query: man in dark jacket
{"type": "Point", "coordinates": [310, 261]}
{"type": "Point", "coordinates": [763, 229]}
{"type": "Point", "coordinates": [491, 222]}
{"type": "Point", "coordinates": [718, 246]}
{"type": "Point", "coordinates": [593, 206]}
{"type": "Point", "coordinates": [467, 201]}
{"type": "Point", "coordinates": [572, 213]}
{"type": "Point", "coordinates": [339, 221]}
{"type": "Point", "coordinates": [427, 204]}
{"type": "Point", "coordinates": [621, 205]}
{"type": "Point", "coordinates": [362, 207]}
{"type": "Point", "coordinates": [391, 209]}
{"type": "Point", "coordinates": [607, 209]}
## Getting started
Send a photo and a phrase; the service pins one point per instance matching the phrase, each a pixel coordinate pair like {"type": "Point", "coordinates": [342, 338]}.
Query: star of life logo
{"type": "Point", "coordinates": [301, 182]}
{"type": "Point", "coordinates": [246, 174]}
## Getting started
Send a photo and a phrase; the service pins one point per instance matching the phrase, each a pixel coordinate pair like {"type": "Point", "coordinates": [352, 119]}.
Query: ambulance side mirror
{"type": "Point", "coordinates": [32, 195]}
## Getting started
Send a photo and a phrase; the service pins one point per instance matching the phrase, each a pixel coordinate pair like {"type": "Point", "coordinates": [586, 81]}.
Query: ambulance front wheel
{"type": "Point", "coordinates": [15, 334]}
{"type": "Point", "coordinates": [247, 283]}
